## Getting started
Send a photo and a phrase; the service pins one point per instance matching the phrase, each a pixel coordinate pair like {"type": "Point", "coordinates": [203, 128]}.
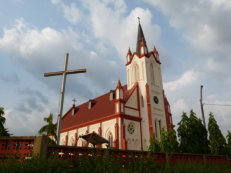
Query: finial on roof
{"type": "Point", "coordinates": [155, 50]}
{"type": "Point", "coordinates": [118, 84]}
{"type": "Point", "coordinates": [74, 100]}
{"type": "Point", "coordinates": [129, 51]}
{"type": "Point", "coordinates": [138, 19]}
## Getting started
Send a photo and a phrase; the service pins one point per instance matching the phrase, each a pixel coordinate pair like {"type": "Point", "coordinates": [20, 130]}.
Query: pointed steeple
{"type": "Point", "coordinates": [129, 55]}
{"type": "Point", "coordinates": [118, 84]}
{"type": "Point", "coordinates": [140, 38]}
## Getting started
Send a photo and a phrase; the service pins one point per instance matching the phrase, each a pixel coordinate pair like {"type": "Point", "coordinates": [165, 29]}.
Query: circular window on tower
{"type": "Point", "coordinates": [131, 128]}
{"type": "Point", "coordinates": [156, 100]}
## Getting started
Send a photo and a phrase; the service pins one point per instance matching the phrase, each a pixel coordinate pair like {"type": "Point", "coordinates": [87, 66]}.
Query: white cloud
{"type": "Point", "coordinates": [216, 69]}
{"type": "Point", "coordinates": [186, 79]}
{"type": "Point", "coordinates": [110, 25]}
{"type": "Point", "coordinates": [179, 106]}
{"type": "Point", "coordinates": [71, 13]}
{"type": "Point", "coordinates": [40, 51]}
{"type": "Point", "coordinates": [201, 24]}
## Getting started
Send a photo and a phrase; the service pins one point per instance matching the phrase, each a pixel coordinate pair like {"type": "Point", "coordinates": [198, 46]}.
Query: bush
{"type": "Point", "coordinates": [106, 164]}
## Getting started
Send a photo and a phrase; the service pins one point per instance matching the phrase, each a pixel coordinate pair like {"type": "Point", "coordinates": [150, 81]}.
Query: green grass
{"type": "Point", "coordinates": [105, 164]}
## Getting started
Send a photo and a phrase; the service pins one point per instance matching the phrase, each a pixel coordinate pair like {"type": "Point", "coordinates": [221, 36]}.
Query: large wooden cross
{"type": "Point", "coordinates": [63, 73]}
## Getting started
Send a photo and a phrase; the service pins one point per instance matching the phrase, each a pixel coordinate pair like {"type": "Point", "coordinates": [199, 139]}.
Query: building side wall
{"type": "Point", "coordinates": [133, 140]}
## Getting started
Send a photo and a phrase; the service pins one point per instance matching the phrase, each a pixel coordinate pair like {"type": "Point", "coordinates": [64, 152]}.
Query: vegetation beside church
{"type": "Point", "coordinates": [3, 130]}
{"type": "Point", "coordinates": [49, 128]}
{"type": "Point", "coordinates": [193, 137]}
{"type": "Point", "coordinates": [106, 164]}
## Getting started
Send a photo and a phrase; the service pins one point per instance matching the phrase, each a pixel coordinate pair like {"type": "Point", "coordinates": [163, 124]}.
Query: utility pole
{"type": "Point", "coordinates": [202, 109]}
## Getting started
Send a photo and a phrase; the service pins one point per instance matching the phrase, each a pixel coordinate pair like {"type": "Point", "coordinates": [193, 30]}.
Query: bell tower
{"type": "Point", "coordinates": [144, 67]}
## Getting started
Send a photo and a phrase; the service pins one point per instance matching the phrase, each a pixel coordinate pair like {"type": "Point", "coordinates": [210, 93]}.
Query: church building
{"type": "Point", "coordinates": [128, 115]}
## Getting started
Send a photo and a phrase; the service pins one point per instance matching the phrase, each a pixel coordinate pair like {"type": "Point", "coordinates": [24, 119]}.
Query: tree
{"type": "Point", "coordinates": [3, 130]}
{"type": "Point", "coordinates": [228, 146]}
{"type": "Point", "coordinates": [183, 136]}
{"type": "Point", "coordinates": [49, 128]}
{"type": "Point", "coordinates": [198, 135]}
{"type": "Point", "coordinates": [154, 144]}
{"type": "Point", "coordinates": [168, 140]}
{"type": "Point", "coordinates": [192, 134]}
{"type": "Point", "coordinates": [216, 138]}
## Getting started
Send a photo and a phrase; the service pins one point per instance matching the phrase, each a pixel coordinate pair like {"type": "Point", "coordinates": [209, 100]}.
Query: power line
{"type": "Point", "coordinates": [216, 104]}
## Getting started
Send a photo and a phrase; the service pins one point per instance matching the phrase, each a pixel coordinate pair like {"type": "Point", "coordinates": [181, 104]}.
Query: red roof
{"type": "Point", "coordinates": [103, 107]}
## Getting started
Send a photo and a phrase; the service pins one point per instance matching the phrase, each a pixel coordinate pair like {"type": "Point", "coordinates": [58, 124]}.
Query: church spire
{"type": "Point", "coordinates": [140, 38]}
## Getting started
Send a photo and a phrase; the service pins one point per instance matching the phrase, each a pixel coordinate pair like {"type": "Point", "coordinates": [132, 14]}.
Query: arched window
{"type": "Point", "coordinates": [110, 139]}
{"type": "Point", "coordinates": [128, 77]}
{"type": "Point", "coordinates": [152, 72]}
{"type": "Point", "coordinates": [155, 128]}
{"type": "Point", "coordinates": [136, 75]}
{"type": "Point", "coordinates": [160, 126]}
{"type": "Point", "coordinates": [142, 101]}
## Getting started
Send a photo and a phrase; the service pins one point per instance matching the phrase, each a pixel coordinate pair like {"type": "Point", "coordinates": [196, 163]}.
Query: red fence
{"type": "Point", "coordinates": [72, 153]}
{"type": "Point", "coordinates": [19, 147]}
{"type": "Point", "coordinates": [24, 147]}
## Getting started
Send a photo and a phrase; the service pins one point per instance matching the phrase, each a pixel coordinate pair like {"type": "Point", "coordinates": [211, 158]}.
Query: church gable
{"type": "Point", "coordinates": [131, 100]}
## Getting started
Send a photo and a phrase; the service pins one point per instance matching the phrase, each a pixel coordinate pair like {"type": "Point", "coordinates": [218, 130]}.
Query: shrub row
{"type": "Point", "coordinates": [105, 164]}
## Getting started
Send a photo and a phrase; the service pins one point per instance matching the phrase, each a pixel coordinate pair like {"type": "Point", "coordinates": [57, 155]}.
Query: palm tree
{"type": "Point", "coordinates": [49, 128]}
{"type": "Point", "coordinates": [3, 130]}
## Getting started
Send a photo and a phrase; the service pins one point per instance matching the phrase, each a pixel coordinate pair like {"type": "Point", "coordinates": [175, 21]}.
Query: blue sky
{"type": "Point", "coordinates": [192, 37]}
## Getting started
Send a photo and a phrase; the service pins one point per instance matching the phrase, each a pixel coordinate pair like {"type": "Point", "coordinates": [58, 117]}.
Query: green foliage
{"type": "Point", "coordinates": [3, 130]}
{"type": "Point", "coordinates": [168, 141]}
{"type": "Point", "coordinates": [154, 144]}
{"type": "Point", "coordinates": [216, 138]}
{"type": "Point", "coordinates": [36, 165]}
{"type": "Point", "coordinates": [105, 164]}
{"type": "Point", "coordinates": [228, 146]}
{"type": "Point", "coordinates": [192, 134]}
{"type": "Point", "coordinates": [49, 128]}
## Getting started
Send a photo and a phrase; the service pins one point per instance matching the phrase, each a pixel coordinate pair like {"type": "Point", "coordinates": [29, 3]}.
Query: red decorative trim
{"type": "Point", "coordinates": [138, 99]}
{"type": "Point", "coordinates": [129, 117]}
{"type": "Point", "coordinates": [167, 114]}
{"type": "Point", "coordinates": [124, 141]}
{"type": "Point", "coordinates": [149, 112]}
{"type": "Point", "coordinates": [131, 108]}
{"type": "Point", "coordinates": [66, 142]}
{"type": "Point", "coordinates": [76, 137]}
{"type": "Point", "coordinates": [143, 55]}
{"type": "Point", "coordinates": [130, 92]}
{"type": "Point", "coordinates": [141, 136]}
{"type": "Point", "coordinates": [116, 141]}
{"type": "Point", "coordinates": [100, 134]}
{"type": "Point", "coordinates": [91, 122]}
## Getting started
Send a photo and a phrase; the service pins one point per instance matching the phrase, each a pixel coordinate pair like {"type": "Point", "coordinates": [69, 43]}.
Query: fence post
{"type": "Point", "coordinates": [40, 146]}
{"type": "Point", "coordinates": [167, 158]}
{"type": "Point", "coordinates": [204, 158]}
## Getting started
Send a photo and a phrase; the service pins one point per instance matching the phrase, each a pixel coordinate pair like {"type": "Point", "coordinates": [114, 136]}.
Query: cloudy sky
{"type": "Point", "coordinates": [193, 39]}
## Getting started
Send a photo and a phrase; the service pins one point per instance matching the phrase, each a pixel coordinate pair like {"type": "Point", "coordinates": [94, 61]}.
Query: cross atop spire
{"type": "Point", "coordinates": [140, 38]}
{"type": "Point", "coordinates": [74, 100]}
{"type": "Point", "coordinates": [138, 19]}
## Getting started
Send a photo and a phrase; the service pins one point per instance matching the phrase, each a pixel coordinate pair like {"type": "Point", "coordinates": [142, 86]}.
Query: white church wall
{"type": "Point", "coordinates": [133, 139]}
{"type": "Point", "coordinates": [108, 126]}
{"type": "Point", "coordinates": [94, 128]}
{"type": "Point", "coordinates": [63, 138]}
{"type": "Point", "coordinates": [81, 131]}
{"type": "Point", "coordinates": [131, 112]}
{"type": "Point", "coordinates": [71, 138]}
{"type": "Point", "coordinates": [132, 101]}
